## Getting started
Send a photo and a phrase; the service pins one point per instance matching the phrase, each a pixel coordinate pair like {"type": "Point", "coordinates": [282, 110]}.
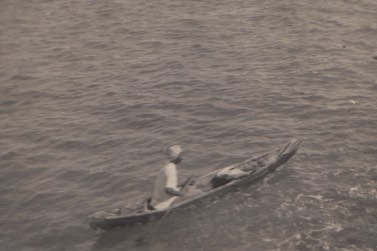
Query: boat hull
{"type": "Point", "coordinates": [257, 166]}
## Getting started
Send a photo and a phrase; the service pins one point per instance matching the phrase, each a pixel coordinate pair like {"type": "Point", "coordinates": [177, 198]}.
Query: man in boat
{"type": "Point", "coordinates": [167, 191]}
{"type": "Point", "coordinates": [166, 188]}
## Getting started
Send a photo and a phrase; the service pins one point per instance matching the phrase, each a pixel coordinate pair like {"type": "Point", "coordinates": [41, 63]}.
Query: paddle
{"type": "Point", "coordinates": [143, 239]}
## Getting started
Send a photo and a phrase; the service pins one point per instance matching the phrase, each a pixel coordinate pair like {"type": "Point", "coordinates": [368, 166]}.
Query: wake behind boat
{"type": "Point", "coordinates": [204, 187]}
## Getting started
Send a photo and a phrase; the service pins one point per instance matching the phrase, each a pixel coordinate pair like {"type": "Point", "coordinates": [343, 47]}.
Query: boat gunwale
{"type": "Point", "coordinates": [292, 147]}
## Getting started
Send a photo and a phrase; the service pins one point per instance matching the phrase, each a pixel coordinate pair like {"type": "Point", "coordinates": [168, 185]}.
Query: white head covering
{"type": "Point", "coordinates": [174, 152]}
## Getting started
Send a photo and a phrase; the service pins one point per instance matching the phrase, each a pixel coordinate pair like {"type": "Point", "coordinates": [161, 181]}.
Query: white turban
{"type": "Point", "coordinates": [173, 152]}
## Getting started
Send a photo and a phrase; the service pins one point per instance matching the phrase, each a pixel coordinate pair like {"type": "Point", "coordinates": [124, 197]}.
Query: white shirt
{"type": "Point", "coordinates": [171, 176]}
{"type": "Point", "coordinates": [166, 178]}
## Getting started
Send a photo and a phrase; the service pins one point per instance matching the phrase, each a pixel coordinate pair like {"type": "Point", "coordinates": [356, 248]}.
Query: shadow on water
{"type": "Point", "coordinates": [127, 237]}
{"type": "Point", "coordinates": [130, 238]}
{"type": "Point", "coordinates": [169, 234]}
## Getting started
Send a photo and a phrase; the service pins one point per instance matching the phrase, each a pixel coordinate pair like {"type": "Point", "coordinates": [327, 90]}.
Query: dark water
{"type": "Point", "coordinates": [91, 91]}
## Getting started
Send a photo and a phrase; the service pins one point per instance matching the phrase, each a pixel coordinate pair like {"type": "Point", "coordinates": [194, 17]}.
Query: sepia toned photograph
{"type": "Point", "coordinates": [188, 125]}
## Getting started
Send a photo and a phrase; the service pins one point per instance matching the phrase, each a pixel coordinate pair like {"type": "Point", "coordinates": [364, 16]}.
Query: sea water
{"type": "Point", "coordinates": [91, 92]}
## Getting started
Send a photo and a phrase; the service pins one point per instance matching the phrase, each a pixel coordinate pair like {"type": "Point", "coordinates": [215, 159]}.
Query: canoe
{"type": "Point", "coordinates": [257, 167]}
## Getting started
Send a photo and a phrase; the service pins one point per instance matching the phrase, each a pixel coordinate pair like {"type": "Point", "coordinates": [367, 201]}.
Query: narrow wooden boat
{"type": "Point", "coordinates": [257, 167]}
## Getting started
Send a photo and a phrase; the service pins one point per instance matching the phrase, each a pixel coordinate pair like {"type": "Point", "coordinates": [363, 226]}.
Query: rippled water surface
{"type": "Point", "coordinates": [91, 91]}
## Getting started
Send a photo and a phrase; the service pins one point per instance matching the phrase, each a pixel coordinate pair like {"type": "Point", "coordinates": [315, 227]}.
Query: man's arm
{"type": "Point", "coordinates": [173, 191]}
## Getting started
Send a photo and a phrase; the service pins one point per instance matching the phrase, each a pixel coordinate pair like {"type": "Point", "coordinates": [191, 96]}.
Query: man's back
{"type": "Point", "coordinates": [166, 178]}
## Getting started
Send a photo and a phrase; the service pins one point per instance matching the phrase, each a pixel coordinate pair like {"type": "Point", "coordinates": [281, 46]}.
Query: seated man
{"type": "Point", "coordinates": [166, 190]}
